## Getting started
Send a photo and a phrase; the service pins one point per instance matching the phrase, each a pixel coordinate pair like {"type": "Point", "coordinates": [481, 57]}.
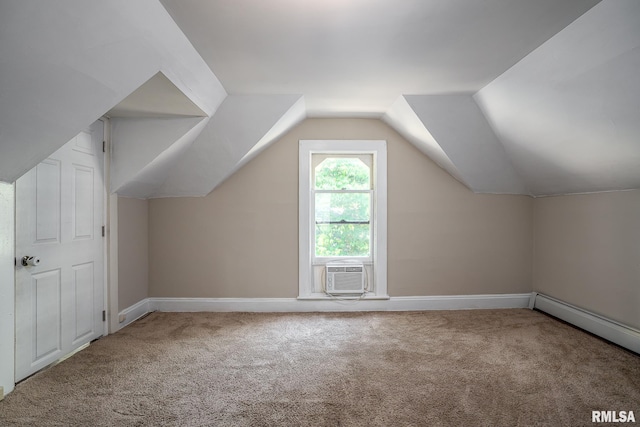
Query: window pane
{"type": "Point", "coordinates": [342, 207]}
{"type": "Point", "coordinates": [342, 173]}
{"type": "Point", "coordinates": [343, 224]}
{"type": "Point", "coordinates": [333, 240]}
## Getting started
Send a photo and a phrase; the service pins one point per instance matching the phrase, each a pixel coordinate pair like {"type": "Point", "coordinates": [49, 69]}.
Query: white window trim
{"type": "Point", "coordinates": [379, 150]}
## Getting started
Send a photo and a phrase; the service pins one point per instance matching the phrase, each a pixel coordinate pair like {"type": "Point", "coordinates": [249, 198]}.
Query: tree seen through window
{"type": "Point", "coordinates": [342, 207]}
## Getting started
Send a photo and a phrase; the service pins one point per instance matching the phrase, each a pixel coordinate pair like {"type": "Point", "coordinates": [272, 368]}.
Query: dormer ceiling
{"type": "Point", "coordinates": [64, 64]}
{"type": "Point", "coordinates": [157, 97]}
{"type": "Point", "coordinates": [509, 96]}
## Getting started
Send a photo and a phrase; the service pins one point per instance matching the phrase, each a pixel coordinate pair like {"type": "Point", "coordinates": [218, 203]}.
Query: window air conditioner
{"type": "Point", "coordinates": [345, 278]}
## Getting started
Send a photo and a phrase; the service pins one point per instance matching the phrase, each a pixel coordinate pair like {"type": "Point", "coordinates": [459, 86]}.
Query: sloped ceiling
{"type": "Point", "coordinates": [473, 147]}
{"type": "Point", "coordinates": [421, 67]}
{"type": "Point", "coordinates": [239, 125]}
{"type": "Point", "coordinates": [64, 64]}
{"type": "Point", "coordinates": [405, 121]}
{"type": "Point", "coordinates": [141, 143]}
{"type": "Point", "coordinates": [157, 97]}
{"type": "Point", "coordinates": [355, 57]}
{"type": "Point", "coordinates": [569, 113]}
{"type": "Point", "coordinates": [509, 96]}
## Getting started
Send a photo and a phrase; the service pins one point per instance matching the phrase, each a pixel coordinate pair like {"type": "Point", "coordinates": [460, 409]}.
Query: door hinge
{"type": "Point", "coordinates": [103, 231]}
{"type": "Point", "coordinates": [104, 315]}
{"type": "Point", "coordinates": [104, 146]}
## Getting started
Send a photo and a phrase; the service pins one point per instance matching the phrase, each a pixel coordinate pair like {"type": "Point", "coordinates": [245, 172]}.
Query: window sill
{"type": "Point", "coordinates": [325, 297]}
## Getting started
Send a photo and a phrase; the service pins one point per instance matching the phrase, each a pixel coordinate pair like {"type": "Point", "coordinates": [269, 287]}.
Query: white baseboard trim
{"type": "Point", "coordinates": [608, 329]}
{"type": "Point", "coordinates": [445, 302]}
{"type": "Point", "coordinates": [134, 312]}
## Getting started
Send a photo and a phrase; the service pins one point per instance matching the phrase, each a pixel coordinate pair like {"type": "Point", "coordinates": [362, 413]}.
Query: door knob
{"type": "Point", "coordinates": [30, 261]}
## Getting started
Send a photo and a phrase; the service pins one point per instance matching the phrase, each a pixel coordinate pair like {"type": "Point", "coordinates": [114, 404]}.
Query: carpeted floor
{"type": "Point", "coordinates": [445, 368]}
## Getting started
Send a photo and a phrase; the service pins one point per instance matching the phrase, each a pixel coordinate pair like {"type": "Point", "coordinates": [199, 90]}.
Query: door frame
{"type": "Point", "coordinates": [112, 324]}
{"type": "Point", "coordinates": [106, 179]}
{"type": "Point", "coordinates": [7, 286]}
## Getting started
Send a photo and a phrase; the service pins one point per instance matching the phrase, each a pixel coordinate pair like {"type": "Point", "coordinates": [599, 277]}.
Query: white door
{"type": "Point", "coordinates": [59, 219]}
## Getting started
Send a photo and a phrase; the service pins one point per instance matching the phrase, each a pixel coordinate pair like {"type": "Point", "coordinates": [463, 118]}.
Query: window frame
{"type": "Point", "coordinates": [378, 259]}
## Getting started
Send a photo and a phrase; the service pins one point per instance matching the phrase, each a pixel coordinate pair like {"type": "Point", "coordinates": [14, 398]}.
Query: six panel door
{"type": "Point", "coordinates": [59, 219]}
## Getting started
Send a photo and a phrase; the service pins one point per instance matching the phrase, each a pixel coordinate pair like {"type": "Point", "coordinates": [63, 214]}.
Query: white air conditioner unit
{"type": "Point", "coordinates": [345, 278]}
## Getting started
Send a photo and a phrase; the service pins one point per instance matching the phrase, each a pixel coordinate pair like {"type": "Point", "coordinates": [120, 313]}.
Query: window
{"type": "Point", "coordinates": [342, 188]}
{"type": "Point", "coordinates": [342, 211]}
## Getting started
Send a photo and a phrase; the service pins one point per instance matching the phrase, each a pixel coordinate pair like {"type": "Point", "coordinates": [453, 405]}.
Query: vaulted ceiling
{"type": "Point", "coordinates": [509, 96]}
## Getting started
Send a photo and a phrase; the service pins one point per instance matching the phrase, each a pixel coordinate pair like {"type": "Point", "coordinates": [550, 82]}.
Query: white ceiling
{"type": "Point", "coordinates": [509, 96]}
{"type": "Point", "coordinates": [569, 113]}
{"type": "Point", "coordinates": [356, 57]}
{"type": "Point", "coordinates": [64, 64]}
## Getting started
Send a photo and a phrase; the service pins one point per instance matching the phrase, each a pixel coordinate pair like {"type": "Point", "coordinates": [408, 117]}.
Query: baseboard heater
{"type": "Point", "coordinates": [624, 336]}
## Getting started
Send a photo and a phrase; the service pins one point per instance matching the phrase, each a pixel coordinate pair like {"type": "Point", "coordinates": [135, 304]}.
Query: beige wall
{"type": "Point", "coordinates": [133, 251]}
{"type": "Point", "coordinates": [446, 240]}
{"type": "Point", "coordinates": [587, 252]}
{"type": "Point", "coordinates": [242, 239]}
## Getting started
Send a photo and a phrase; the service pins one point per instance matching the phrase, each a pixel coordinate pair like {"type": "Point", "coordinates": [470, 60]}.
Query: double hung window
{"type": "Point", "coordinates": [342, 211]}
{"type": "Point", "coordinates": [342, 201]}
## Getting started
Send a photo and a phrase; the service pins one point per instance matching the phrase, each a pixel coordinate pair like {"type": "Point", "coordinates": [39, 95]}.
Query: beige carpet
{"type": "Point", "coordinates": [446, 368]}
